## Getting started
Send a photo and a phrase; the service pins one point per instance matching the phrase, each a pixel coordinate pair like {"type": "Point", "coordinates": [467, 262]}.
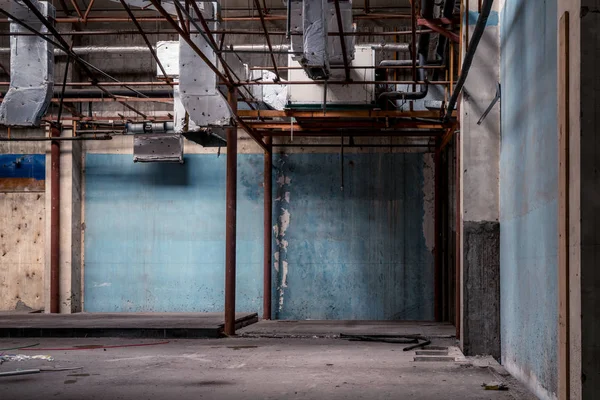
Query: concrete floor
{"type": "Point", "coordinates": [247, 368]}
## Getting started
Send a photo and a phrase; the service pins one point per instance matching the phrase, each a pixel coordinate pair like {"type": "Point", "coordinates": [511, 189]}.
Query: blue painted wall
{"type": "Point", "coordinates": [155, 234]}
{"type": "Point", "coordinates": [359, 253]}
{"type": "Point", "coordinates": [154, 238]}
{"type": "Point", "coordinates": [528, 192]}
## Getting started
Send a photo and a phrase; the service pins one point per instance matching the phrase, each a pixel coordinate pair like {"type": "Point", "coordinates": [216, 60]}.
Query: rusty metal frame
{"type": "Point", "coordinates": [338, 15]}
{"type": "Point", "coordinates": [264, 125]}
{"type": "Point", "coordinates": [268, 38]}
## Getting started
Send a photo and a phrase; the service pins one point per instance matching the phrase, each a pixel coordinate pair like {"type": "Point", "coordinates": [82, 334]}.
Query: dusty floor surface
{"type": "Point", "coordinates": [244, 368]}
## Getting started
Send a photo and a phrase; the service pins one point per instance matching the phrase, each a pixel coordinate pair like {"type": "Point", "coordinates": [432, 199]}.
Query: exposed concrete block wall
{"type": "Point", "coordinates": [529, 193]}
{"type": "Point", "coordinates": [482, 286]}
{"type": "Point", "coordinates": [480, 152]}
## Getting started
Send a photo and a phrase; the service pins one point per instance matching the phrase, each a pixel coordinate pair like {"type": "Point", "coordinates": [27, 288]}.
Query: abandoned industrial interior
{"type": "Point", "coordinates": [307, 199]}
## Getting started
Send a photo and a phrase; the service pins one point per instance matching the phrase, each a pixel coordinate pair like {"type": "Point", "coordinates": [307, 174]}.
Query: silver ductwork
{"type": "Point", "coordinates": [198, 91]}
{"type": "Point", "coordinates": [31, 66]}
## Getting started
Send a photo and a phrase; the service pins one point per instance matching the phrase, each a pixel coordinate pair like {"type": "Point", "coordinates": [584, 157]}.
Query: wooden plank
{"type": "Point", "coordinates": [21, 250]}
{"type": "Point", "coordinates": [563, 209]}
{"type": "Point", "coordinates": [9, 185]}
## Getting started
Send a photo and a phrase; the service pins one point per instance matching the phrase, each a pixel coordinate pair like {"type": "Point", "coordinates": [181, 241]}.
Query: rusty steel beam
{"type": "Point", "coordinates": [439, 29]}
{"type": "Point", "coordinates": [230, 221]}
{"type": "Point", "coordinates": [247, 18]}
{"type": "Point", "coordinates": [77, 9]}
{"type": "Point", "coordinates": [268, 38]}
{"type": "Point", "coordinates": [338, 15]}
{"type": "Point", "coordinates": [87, 11]}
{"type": "Point", "coordinates": [358, 67]}
{"type": "Point", "coordinates": [187, 38]}
{"type": "Point", "coordinates": [347, 126]}
{"type": "Point", "coordinates": [437, 248]}
{"type": "Point", "coordinates": [208, 35]}
{"type": "Point", "coordinates": [322, 82]}
{"type": "Point", "coordinates": [336, 114]}
{"type": "Point", "coordinates": [267, 229]}
{"type": "Point", "coordinates": [55, 222]}
{"type": "Point", "coordinates": [216, 32]}
{"type": "Point", "coordinates": [355, 133]}
{"type": "Point", "coordinates": [141, 31]}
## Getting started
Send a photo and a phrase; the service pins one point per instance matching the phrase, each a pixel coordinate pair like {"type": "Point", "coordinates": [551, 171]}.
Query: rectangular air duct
{"type": "Point", "coordinates": [31, 67]}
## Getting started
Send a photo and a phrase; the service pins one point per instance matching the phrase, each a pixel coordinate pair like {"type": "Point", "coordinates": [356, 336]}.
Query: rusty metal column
{"type": "Point", "coordinates": [54, 220]}
{"type": "Point", "coordinates": [438, 254]}
{"type": "Point", "coordinates": [268, 221]}
{"type": "Point", "coordinates": [230, 220]}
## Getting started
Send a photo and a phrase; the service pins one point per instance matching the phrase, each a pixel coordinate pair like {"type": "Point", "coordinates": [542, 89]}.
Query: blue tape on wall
{"type": "Point", "coordinates": [23, 166]}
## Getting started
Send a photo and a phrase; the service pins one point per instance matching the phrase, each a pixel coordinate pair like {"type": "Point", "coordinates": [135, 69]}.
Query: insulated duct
{"type": "Point", "coordinates": [315, 58]}
{"type": "Point", "coordinates": [198, 91]}
{"type": "Point", "coordinates": [31, 66]}
{"type": "Point", "coordinates": [315, 50]}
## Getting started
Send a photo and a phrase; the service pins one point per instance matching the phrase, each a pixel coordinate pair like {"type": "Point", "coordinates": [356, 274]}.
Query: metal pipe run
{"type": "Point", "coordinates": [468, 60]}
{"type": "Point", "coordinates": [53, 139]}
{"type": "Point", "coordinates": [337, 145]}
{"type": "Point", "coordinates": [216, 32]}
{"type": "Point", "coordinates": [230, 220]}
{"type": "Point", "coordinates": [54, 221]}
{"type": "Point", "coordinates": [268, 222]}
{"type": "Point", "coordinates": [248, 18]}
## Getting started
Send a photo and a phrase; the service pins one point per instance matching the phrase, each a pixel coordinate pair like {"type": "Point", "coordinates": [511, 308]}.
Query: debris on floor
{"type": "Point", "coordinates": [494, 386]}
{"type": "Point", "coordinates": [23, 357]}
{"type": "Point", "coordinates": [401, 339]}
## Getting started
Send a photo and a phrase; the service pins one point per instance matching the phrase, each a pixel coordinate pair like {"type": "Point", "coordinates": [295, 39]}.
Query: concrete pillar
{"type": "Point", "coordinates": [70, 272]}
{"type": "Point", "coordinates": [480, 151]}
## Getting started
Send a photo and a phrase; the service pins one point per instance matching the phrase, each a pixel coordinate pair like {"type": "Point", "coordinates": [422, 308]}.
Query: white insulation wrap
{"type": "Point", "coordinates": [31, 66]}
{"type": "Point", "coordinates": [275, 96]}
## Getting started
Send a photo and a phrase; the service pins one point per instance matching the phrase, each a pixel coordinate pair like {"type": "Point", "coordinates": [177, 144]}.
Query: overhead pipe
{"type": "Point", "coordinates": [468, 60]}
{"type": "Point", "coordinates": [87, 50]}
{"type": "Point", "coordinates": [423, 51]}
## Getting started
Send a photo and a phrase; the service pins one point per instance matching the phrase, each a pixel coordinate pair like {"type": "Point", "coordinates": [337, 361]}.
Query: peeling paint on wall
{"type": "Point", "coordinates": [368, 240]}
{"type": "Point", "coordinates": [280, 229]}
